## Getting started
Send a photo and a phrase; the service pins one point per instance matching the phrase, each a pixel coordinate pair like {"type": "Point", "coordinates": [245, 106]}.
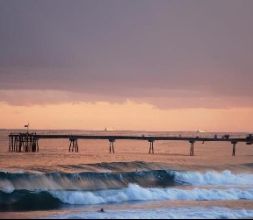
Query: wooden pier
{"type": "Point", "coordinates": [29, 142]}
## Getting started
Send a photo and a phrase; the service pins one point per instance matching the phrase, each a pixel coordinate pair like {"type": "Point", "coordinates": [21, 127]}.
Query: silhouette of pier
{"type": "Point", "coordinates": [29, 142]}
{"type": "Point", "coordinates": [23, 142]}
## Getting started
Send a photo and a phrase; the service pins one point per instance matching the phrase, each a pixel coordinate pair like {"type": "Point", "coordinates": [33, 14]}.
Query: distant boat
{"type": "Point", "coordinates": [200, 131]}
{"type": "Point", "coordinates": [108, 129]}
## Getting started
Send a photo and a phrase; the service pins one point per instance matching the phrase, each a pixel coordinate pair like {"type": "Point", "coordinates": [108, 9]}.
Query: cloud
{"type": "Point", "coordinates": [168, 53]}
{"type": "Point", "coordinates": [177, 100]}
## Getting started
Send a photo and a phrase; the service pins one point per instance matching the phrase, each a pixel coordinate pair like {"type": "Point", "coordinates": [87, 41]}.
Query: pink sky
{"type": "Point", "coordinates": [142, 65]}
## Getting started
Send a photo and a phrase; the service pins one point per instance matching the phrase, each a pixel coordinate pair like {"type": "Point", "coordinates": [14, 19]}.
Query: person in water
{"type": "Point", "coordinates": [102, 210]}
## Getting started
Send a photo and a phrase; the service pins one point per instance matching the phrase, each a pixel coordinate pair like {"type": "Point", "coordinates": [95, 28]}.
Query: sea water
{"type": "Point", "coordinates": [122, 189]}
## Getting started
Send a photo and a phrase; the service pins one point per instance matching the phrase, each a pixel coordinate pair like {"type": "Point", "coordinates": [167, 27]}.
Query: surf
{"type": "Point", "coordinates": [56, 189]}
{"type": "Point", "coordinates": [21, 199]}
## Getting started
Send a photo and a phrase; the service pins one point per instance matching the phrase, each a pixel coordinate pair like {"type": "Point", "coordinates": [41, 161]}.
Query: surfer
{"type": "Point", "coordinates": [102, 210]}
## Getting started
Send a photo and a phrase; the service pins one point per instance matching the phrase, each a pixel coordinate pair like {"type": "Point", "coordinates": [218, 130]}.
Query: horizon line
{"type": "Point", "coordinates": [127, 130]}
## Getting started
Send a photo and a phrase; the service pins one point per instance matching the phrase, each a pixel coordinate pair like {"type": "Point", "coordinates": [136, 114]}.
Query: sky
{"type": "Point", "coordinates": [127, 65]}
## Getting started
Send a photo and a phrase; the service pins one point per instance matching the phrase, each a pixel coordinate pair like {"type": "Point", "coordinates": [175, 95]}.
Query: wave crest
{"type": "Point", "coordinates": [83, 181]}
{"type": "Point", "coordinates": [214, 178]}
{"type": "Point", "coordinates": [136, 193]}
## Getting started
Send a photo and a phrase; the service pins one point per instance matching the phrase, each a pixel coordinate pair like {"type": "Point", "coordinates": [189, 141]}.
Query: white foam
{"type": "Point", "coordinates": [6, 186]}
{"type": "Point", "coordinates": [214, 178]}
{"type": "Point", "coordinates": [136, 193]}
{"type": "Point", "coordinates": [171, 213]}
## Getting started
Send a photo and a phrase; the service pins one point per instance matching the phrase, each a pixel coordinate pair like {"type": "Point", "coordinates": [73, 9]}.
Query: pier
{"type": "Point", "coordinates": [29, 142]}
{"type": "Point", "coordinates": [24, 142]}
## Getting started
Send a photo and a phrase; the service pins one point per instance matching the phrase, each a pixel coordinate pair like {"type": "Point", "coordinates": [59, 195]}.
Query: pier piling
{"type": "Point", "coordinates": [234, 148]}
{"type": "Point", "coordinates": [151, 146]}
{"type": "Point", "coordinates": [111, 147]}
{"type": "Point", "coordinates": [23, 142]}
{"type": "Point", "coordinates": [73, 145]}
{"type": "Point", "coordinates": [192, 142]}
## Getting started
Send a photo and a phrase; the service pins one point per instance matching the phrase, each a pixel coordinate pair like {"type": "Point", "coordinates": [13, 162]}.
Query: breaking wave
{"type": "Point", "coordinates": [132, 193]}
{"type": "Point", "coordinates": [51, 190]}
{"type": "Point", "coordinates": [33, 181]}
{"type": "Point", "coordinates": [214, 178]}
{"type": "Point", "coordinates": [136, 193]}
{"type": "Point", "coordinates": [84, 181]}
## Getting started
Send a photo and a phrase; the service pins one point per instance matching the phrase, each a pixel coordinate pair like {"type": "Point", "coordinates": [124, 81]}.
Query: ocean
{"type": "Point", "coordinates": [94, 184]}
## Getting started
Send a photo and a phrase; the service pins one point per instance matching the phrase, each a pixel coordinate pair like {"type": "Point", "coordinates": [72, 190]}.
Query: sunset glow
{"type": "Point", "coordinates": [127, 65]}
{"type": "Point", "coordinates": [128, 115]}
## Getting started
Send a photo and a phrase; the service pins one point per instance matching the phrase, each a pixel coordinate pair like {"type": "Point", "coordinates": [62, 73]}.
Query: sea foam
{"type": "Point", "coordinates": [136, 193]}
{"type": "Point", "coordinates": [214, 178]}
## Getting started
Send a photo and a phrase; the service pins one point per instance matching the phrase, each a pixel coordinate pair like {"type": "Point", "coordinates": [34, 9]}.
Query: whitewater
{"type": "Point", "coordinates": [87, 189]}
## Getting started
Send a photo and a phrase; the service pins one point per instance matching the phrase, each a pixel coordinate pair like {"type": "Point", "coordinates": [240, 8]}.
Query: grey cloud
{"type": "Point", "coordinates": [173, 100]}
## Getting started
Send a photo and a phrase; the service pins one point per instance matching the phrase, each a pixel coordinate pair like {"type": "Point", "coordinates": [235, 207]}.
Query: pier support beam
{"type": "Point", "coordinates": [73, 145]}
{"type": "Point", "coordinates": [151, 147]}
{"type": "Point", "coordinates": [15, 144]}
{"type": "Point", "coordinates": [111, 146]}
{"type": "Point", "coordinates": [234, 148]}
{"type": "Point", "coordinates": [37, 144]}
{"type": "Point", "coordinates": [192, 153]}
{"type": "Point", "coordinates": [23, 142]}
{"type": "Point", "coordinates": [20, 143]}
{"type": "Point", "coordinates": [26, 143]}
{"type": "Point", "coordinates": [10, 143]}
